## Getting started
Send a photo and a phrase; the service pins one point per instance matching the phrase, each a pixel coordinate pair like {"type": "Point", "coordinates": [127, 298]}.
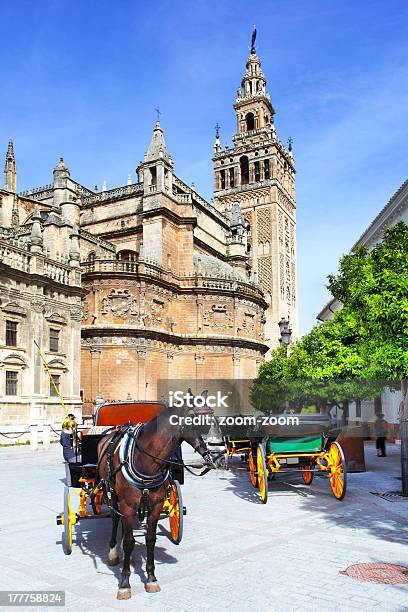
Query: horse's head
{"type": "Point", "coordinates": [186, 414]}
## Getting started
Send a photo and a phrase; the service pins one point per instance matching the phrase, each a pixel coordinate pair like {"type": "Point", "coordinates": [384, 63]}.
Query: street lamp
{"type": "Point", "coordinates": [285, 332]}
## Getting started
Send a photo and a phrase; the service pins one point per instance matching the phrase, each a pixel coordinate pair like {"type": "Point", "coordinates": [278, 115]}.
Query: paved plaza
{"type": "Point", "coordinates": [236, 553]}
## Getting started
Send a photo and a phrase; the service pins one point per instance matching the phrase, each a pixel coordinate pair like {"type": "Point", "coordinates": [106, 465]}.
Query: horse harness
{"type": "Point", "coordinates": [128, 435]}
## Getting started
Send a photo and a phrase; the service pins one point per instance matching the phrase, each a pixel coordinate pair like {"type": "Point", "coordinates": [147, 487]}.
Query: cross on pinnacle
{"type": "Point", "coordinates": [158, 111]}
{"type": "Point", "coordinates": [217, 130]}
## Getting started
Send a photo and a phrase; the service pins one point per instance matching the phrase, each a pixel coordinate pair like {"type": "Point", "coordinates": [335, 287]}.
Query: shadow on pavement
{"type": "Point", "coordinates": [91, 537]}
{"type": "Point", "coordinates": [363, 511]}
{"type": "Point", "coordinates": [284, 484]}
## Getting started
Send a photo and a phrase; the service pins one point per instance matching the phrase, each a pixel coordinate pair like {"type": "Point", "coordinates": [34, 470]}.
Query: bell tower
{"type": "Point", "coordinates": [258, 172]}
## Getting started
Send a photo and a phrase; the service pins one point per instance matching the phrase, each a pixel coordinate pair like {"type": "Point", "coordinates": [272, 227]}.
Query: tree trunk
{"type": "Point", "coordinates": [404, 436]}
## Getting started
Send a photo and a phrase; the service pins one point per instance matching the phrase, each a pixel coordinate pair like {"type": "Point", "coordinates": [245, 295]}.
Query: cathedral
{"type": "Point", "coordinates": [123, 287]}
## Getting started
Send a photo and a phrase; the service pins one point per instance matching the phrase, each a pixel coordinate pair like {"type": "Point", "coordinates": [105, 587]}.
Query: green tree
{"type": "Point", "coordinates": [373, 288]}
{"type": "Point", "coordinates": [367, 338]}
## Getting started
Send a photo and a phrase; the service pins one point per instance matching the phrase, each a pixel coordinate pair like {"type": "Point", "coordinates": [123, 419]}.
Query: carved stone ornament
{"type": "Point", "coordinates": [218, 317]}
{"type": "Point", "coordinates": [75, 313]}
{"type": "Point", "coordinates": [55, 317]}
{"type": "Point", "coordinates": [85, 310]}
{"type": "Point", "coordinates": [120, 303]}
{"type": "Point", "coordinates": [157, 311]}
{"type": "Point", "coordinates": [248, 322]}
{"type": "Point", "coordinates": [15, 309]}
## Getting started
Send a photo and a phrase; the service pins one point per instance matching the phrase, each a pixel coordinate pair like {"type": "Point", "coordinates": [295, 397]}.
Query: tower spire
{"type": "Point", "coordinates": [10, 172]}
{"type": "Point", "coordinates": [217, 144]}
{"type": "Point", "coordinates": [157, 148]}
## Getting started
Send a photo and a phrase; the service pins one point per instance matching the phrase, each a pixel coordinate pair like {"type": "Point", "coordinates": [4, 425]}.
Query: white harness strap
{"type": "Point", "coordinates": [126, 450]}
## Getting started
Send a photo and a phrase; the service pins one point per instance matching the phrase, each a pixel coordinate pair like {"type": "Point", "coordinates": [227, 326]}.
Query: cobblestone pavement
{"type": "Point", "coordinates": [286, 555]}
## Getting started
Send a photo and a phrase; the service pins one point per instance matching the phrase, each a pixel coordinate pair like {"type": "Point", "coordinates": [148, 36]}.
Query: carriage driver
{"type": "Point", "coordinates": [66, 438]}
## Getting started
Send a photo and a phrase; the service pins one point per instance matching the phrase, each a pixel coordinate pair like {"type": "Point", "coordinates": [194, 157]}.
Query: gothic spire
{"type": "Point", "coordinates": [157, 148]}
{"type": "Point", "coordinates": [61, 169]}
{"type": "Point", "coordinates": [10, 172]}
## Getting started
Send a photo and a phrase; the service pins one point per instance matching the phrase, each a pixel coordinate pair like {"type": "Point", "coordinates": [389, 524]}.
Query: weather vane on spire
{"type": "Point", "coordinates": [217, 130]}
{"type": "Point", "coordinates": [158, 111]}
{"type": "Point", "coordinates": [253, 40]}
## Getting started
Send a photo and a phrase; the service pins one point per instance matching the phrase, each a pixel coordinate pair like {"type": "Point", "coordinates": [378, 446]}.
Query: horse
{"type": "Point", "coordinates": [149, 458]}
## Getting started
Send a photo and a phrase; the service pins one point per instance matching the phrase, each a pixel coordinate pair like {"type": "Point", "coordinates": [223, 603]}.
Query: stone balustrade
{"type": "Point", "coordinates": [183, 198]}
{"type": "Point", "coordinates": [57, 271]}
{"type": "Point", "coordinates": [154, 270]}
{"type": "Point", "coordinates": [15, 257]}
{"type": "Point", "coordinates": [18, 257]}
{"type": "Point", "coordinates": [112, 194]}
{"type": "Point", "coordinates": [37, 191]}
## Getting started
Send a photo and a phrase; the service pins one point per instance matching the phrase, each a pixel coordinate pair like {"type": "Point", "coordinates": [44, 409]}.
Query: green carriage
{"type": "Point", "coordinates": [306, 449]}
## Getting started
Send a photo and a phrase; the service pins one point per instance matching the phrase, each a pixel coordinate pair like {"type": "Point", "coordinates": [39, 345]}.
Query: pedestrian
{"type": "Point", "coordinates": [380, 429]}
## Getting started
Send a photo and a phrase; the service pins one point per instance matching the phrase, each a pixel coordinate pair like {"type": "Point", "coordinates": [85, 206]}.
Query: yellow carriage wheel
{"type": "Point", "coordinates": [338, 471]}
{"type": "Point", "coordinates": [262, 473]}
{"type": "Point", "coordinates": [252, 470]}
{"type": "Point", "coordinates": [307, 474]}
{"type": "Point", "coordinates": [175, 512]}
{"type": "Point", "coordinates": [69, 520]}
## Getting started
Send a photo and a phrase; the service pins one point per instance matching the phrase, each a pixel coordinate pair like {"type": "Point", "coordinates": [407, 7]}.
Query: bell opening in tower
{"type": "Point", "coordinates": [250, 121]}
{"type": "Point", "coordinates": [222, 177]}
{"type": "Point", "coordinates": [244, 164]}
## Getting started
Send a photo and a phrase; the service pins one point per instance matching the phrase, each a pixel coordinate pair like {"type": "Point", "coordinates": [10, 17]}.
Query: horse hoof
{"type": "Point", "coordinates": [113, 561]}
{"type": "Point", "coordinates": [153, 587]}
{"type": "Point", "coordinates": [124, 594]}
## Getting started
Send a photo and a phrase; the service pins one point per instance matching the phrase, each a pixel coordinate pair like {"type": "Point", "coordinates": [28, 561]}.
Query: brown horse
{"type": "Point", "coordinates": [149, 459]}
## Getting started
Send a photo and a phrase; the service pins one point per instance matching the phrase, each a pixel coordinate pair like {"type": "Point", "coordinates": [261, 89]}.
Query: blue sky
{"type": "Point", "coordinates": [82, 79]}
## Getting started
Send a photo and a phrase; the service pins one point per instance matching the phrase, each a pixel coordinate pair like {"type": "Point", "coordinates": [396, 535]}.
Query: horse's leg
{"type": "Point", "coordinates": [124, 591]}
{"type": "Point", "coordinates": [152, 586]}
{"type": "Point", "coordinates": [113, 556]}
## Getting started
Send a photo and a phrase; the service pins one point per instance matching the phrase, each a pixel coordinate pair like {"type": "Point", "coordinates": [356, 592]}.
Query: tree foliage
{"type": "Point", "coordinates": [367, 339]}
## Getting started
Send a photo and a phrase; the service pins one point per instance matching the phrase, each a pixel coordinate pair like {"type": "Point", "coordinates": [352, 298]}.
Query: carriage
{"type": "Point", "coordinates": [82, 477]}
{"type": "Point", "coordinates": [279, 449]}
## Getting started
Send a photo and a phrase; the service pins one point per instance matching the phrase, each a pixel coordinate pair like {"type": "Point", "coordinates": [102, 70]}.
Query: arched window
{"type": "Point", "coordinates": [266, 169]}
{"type": "Point", "coordinates": [91, 256]}
{"type": "Point", "coordinates": [250, 121]}
{"type": "Point", "coordinates": [244, 165]}
{"type": "Point", "coordinates": [257, 171]}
